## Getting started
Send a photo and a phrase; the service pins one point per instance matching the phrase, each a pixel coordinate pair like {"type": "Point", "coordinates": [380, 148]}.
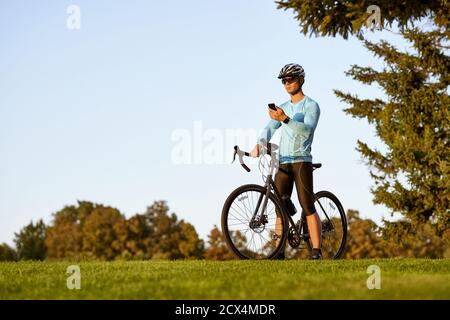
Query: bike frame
{"type": "Point", "coordinates": [269, 186]}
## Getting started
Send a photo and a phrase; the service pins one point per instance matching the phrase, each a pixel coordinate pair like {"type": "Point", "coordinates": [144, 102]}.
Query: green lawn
{"type": "Point", "coordinates": [295, 279]}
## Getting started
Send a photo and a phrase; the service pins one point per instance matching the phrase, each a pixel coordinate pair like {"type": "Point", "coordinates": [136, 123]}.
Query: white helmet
{"type": "Point", "coordinates": [291, 70]}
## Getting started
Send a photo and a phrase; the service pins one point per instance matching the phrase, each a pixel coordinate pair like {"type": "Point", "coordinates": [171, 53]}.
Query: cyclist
{"type": "Point", "coordinates": [298, 119]}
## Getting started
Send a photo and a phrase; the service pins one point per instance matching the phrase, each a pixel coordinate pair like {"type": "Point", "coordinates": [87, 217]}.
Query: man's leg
{"type": "Point", "coordinates": [304, 184]}
{"type": "Point", "coordinates": [284, 183]}
{"type": "Point", "coordinates": [315, 230]}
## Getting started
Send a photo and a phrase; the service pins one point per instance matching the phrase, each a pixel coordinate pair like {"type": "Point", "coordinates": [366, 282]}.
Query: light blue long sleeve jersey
{"type": "Point", "coordinates": [297, 135]}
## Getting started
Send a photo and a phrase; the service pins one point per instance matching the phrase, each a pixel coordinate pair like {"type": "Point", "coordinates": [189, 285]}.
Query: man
{"type": "Point", "coordinates": [298, 120]}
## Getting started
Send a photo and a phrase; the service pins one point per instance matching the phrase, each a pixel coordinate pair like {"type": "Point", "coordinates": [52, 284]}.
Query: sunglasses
{"type": "Point", "coordinates": [288, 80]}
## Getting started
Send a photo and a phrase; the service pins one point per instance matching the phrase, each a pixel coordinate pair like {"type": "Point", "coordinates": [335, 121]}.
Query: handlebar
{"type": "Point", "coordinates": [267, 148]}
{"type": "Point", "coordinates": [241, 153]}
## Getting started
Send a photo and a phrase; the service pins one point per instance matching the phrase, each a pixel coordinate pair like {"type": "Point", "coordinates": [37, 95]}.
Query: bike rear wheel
{"type": "Point", "coordinates": [334, 225]}
{"type": "Point", "coordinates": [259, 238]}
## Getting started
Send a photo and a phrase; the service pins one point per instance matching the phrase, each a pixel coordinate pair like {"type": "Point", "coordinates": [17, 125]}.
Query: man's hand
{"type": "Point", "coordinates": [256, 151]}
{"type": "Point", "coordinates": [278, 115]}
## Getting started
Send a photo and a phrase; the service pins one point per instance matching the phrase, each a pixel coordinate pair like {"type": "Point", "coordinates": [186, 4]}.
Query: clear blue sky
{"type": "Point", "coordinates": [89, 114]}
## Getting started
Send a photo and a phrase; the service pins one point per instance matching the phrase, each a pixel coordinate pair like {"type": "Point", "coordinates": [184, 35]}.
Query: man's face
{"type": "Point", "coordinates": [292, 85]}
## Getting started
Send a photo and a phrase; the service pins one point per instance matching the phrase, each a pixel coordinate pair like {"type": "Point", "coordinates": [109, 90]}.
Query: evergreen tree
{"type": "Point", "coordinates": [347, 17]}
{"type": "Point", "coordinates": [412, 176]}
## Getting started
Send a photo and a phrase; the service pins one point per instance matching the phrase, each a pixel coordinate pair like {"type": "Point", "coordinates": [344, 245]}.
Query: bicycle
{"type": "Point", "coordinates": [239, 216]}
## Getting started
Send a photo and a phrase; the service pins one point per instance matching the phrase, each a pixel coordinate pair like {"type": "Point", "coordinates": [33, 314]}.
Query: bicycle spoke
{"type": "Point", "coordinates": [245, 219]}
{"type": "Point", "coordinates": [253, 240]}
{"type": "Point", "coordinates": [244, 211]}
{"type": "Point", "coordinates": [251, 209]}
{"type": "Point", "coordinates": [240, 218]}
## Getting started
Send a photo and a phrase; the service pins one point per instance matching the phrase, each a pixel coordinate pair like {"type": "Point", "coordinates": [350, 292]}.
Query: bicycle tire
{"type": "Point", "coordinates": [224, 221]}
{"type": "Point", "coordinates": [343, 217]}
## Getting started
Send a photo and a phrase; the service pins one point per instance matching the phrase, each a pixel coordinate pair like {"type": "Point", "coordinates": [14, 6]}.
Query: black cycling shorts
{"type": "Point", "coordinates": [302, 174]}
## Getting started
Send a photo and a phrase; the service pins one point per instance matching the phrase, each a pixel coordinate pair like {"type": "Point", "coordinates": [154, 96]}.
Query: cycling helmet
{"type": "Point", "coordinates": [291, 70]}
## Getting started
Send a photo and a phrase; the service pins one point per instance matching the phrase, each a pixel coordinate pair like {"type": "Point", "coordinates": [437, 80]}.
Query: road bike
{"type": "Point", "coordinates": [249, 215]}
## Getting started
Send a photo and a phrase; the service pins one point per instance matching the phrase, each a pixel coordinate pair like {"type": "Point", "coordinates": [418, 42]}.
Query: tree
{"type": "Point", "coordinates": [363, 238]}
{"type": "Point", "coordinates": [190, 245]}
{"type": "Point", "coordinates": [402, 239]}
{"type": "Point", "coordinates": [100, 238]}
{"type": "Point", "coordinates": [134, 238]}
{"type": "Point", "coordinates": [412, 176]}
{"type": "Point", "coordinates": [347, 17]}
{"type": "Point", "coordinates": [65, 236]}
{"type": "Point", "coordinates": [95, 231]}
{"type": "Point", "coordinates": [7, 253]}
{"type": "Point", "coordinates": [170, 238]}
{"type": "Point", "coordinates": [368, 240]}
{"type": "Point", "coordinates": [30, 241]}
{"type": "Point", "coordinates": [217, 249]}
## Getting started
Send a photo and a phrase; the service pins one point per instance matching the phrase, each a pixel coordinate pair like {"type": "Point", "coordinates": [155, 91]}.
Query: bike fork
{"type": "Point", "coordinates": [262, 202]}
{"type": "Point", "coordinates": [263, 199]}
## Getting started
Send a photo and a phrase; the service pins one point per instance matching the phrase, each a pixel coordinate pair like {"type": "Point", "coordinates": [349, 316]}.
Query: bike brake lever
{"type": "Point", "coordinates": [234, 155]}
{"type": "Point", "coordinates": [240, 158]}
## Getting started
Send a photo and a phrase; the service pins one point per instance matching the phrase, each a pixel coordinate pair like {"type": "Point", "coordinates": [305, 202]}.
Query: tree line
{"type": "Point", "coordinates": [94, 231]}
{"type": "Point", "coordinates": [89, 231]}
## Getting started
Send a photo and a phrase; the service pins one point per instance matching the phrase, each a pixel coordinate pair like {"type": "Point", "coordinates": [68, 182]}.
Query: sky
{"type": "Point", "coordinates": [100, 113]}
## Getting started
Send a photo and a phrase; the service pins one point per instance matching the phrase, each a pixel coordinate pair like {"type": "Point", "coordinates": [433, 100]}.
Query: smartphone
{"type": "Point", "coordinates": [272, 106]}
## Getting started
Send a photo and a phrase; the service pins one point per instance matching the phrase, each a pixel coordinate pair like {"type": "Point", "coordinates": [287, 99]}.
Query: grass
{"type": "Point", "coordinates": [294, 279]}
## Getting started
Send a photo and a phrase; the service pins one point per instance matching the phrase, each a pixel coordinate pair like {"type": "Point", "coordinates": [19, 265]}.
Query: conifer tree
{"type": "Point", "coordinates": [413, 117]}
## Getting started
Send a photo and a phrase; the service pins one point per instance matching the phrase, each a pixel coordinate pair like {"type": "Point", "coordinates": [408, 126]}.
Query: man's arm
{"type": "Point", "coordinates": [268, 131]}
{"type": "Point", "coordinates": [309, 123]}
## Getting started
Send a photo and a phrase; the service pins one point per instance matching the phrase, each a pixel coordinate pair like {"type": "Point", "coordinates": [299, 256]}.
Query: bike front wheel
{"type": "Point", "coordinates": [251, 229]}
